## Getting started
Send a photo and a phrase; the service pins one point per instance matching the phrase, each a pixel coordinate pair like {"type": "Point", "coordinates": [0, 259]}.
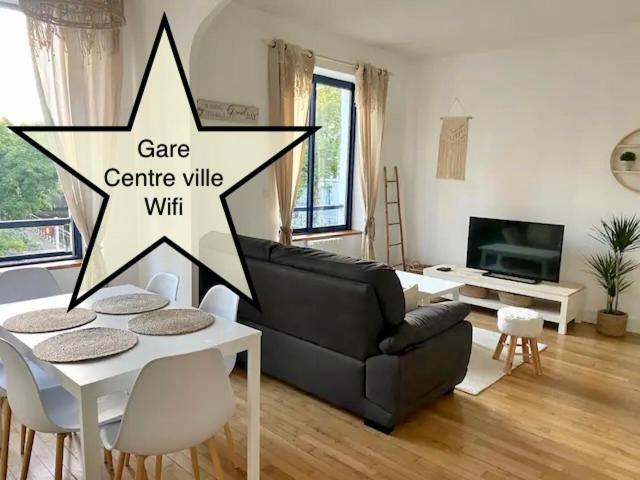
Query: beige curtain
{"type": "Point", "coordinates": [290, 81]}
{"type": "Point", "coordinates": [80, 77]}
{"type": "Point", "coordinates": [371, 98]}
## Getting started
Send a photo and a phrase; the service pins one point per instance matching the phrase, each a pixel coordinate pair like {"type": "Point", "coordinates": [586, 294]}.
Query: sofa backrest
{"type": "Point", "coordinates": [340, 303]}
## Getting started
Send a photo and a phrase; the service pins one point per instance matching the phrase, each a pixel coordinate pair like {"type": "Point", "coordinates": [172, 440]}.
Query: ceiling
{"type": "Point", "coordinates": [424, 27]}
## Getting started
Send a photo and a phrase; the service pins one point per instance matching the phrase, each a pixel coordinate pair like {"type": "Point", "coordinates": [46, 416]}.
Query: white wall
{"type": "Point", "coordinates": [231, 65]}
{"type": "Point", "coordinates": [143, 20]}
{"type": "Point", "coordinates": [546, 117]}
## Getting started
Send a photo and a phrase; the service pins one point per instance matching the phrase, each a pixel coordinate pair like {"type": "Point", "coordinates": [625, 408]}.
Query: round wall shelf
{"type": "Point", "coordinates": [627, 175]}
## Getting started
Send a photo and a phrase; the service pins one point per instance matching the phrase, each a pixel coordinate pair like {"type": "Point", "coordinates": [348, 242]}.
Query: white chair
{"type": "Point", "coordinates": [164, 284]}
{"type": "Point", "coordinates": [20, 284]}
{"type": "Point", "coordinates": [223, 303]}
{"type": "Point", "coordinates": [196, 401]}
{"type": "Point", "coordinates": [49, 410]}
{"type": "Point", "coordinates": [44, 381]}
{"type": "Point", "coordinates": [17, 285]}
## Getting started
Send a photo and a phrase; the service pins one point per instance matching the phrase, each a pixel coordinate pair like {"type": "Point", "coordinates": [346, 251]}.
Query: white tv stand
{"type": "Point", "coordinates": [557, 302]}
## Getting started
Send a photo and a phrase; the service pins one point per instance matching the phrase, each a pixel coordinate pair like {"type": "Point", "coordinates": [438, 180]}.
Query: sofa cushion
{"type": "Point", "coordinates": [257, 247]}
{"type": "Point", "coordinates": [382, 278]}
{"type": "Point", "coordinates": [423, 323]}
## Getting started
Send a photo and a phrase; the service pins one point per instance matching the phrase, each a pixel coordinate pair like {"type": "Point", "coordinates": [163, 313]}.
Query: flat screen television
{"type": "Point", "coordinates": [523, 251]}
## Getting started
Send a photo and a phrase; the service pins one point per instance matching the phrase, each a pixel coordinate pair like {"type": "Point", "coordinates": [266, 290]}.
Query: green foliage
{"type": "Point", "coordinates": [620, 235]}
{"type": "Point", "coordinates": [327, 139]}
{"type": "Point", "coordinates": [628, 157]}
{"type": "Point", "coordinates": [28, 180]}
{"type": "Point", "coordinates": [14, 243]}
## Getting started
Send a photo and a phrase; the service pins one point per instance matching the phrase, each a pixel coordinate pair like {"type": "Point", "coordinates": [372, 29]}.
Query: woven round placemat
{"type": "Point", "coordinates": [85, 344]}
{"type": "Point", "coordinates": [130, 303]}
{"type": "Point", "coordinates": [49, 320]}
{"type": "Point", "coordinates": [171, 322]}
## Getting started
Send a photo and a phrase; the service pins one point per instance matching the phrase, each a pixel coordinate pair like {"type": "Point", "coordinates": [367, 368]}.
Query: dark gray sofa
{"type": "Point", "coordinates": [335, 327]}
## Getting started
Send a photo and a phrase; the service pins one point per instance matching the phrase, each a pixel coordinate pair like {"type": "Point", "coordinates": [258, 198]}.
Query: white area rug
{"type": "Point", "coordinates": [483, 370]}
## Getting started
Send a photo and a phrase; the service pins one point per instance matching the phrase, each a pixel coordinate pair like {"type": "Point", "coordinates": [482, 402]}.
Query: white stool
{"type": "Point", "coordinates": [523, 323]}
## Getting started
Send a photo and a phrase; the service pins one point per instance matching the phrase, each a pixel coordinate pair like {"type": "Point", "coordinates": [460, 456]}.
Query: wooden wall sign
{"type": "Point", "coordinates": [226, 112]}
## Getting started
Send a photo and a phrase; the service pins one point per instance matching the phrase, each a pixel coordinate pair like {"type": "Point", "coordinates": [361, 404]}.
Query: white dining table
{"type": "Point", "coordinates": [90, 380]}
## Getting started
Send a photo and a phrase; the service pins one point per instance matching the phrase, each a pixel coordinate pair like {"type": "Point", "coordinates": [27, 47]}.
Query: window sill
{"type": "Point", "coordinates": [52, 265]}
{"type": "Point", "coordinates": [326, 235]}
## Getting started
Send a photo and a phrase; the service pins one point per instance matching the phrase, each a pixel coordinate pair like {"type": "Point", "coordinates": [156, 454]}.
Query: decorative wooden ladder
{"type": "Point", "coordinates": [398, 223]}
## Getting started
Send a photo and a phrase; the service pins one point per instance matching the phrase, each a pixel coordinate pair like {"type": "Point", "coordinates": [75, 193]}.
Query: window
{"type": "Point", "coordinates": [34, 218]}
{"type": "Point", "coordinates": [323, 203]}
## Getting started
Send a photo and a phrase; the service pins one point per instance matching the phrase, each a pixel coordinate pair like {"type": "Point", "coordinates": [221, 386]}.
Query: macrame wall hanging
{"type": "Point", "coordinates": [452, 153]}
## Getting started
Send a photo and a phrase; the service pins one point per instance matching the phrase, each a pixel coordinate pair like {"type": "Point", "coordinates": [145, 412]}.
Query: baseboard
{"type": "Point", "coordinates": [633, 325]}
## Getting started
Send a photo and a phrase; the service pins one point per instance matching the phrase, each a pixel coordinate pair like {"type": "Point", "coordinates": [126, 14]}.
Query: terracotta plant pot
{"type": "Point", "coordinates": [612, 324]}
{"type": "Point", "coordinates": [627, 165]}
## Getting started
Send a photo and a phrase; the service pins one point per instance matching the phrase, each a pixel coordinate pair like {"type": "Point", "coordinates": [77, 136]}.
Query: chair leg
{"type": "Point", "coordinates": [217, 466]}
{"type": "Point", "coordinates": [158, 467]}
{"type": "Point", "coordinates": [513, 341]}
{"type": "Point", "coordinates": [194, 463]}
{"type": "Point", "coordinates": [536, 356]}
{"type": "Point", "coordinates": [109, 457]}
{"type": "Point", "coordinates": [59, 455]}
{"type": "Point", "coordinates": [499, 347]}
{"type": "Point", "coordinates": [26, 458]}
{"type": "Point", "coordinates": [6, 424]}
{"type": "Point", "coordinates": [23, 438]}
{"type": "Point", "coordinates": [120, 469]}
{"type": "Point", "coordinates": [231, 446]}
{"type": "Point", "coordinates": [141, 472]}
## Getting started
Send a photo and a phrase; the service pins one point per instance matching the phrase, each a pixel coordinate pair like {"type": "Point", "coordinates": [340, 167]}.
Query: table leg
{"type": "Point", "coordinates": [253, 400]}
{"type": "Point", "coordinates": [455, 295]}
{"type": "Point", "coordinates": [89, 437]}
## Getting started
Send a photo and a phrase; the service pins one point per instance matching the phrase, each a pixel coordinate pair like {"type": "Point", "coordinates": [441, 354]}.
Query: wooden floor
{"type": "Point", "coordinates": [580, 420]}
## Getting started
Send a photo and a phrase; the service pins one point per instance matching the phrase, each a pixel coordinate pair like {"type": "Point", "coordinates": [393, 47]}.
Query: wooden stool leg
{"type": "Point", "coordinates": [536, 356]}
{"type": "Point", "coordinates": [194, 463]}
{"type": "Point", "coordinates": [26, 458]}
{"type": "Point", "coordinates": [231, 446]}
{"type": "Point", "coordinates": [23, 438]}
{"type": "Point", "coordinates": [499, 347]}
{"type": "Point", "coordinates": [526, 350]}
{"type": "Point", "coordinates": [215, 459]}
{"type": "Point", "coordinates": [508, 366]}
{"type": "Point", "coordinates": [159, 467]}
{"type": "Point", "coordinates": [127, 459]}
{"type": "Point", "coordinates": [141, 472]}
{"type": "Point", "coordinates": [59, 455]}
{"type": "Point", "coordinates": [120, 469]}
{"type": "Point", "coordinates": [6, 430]}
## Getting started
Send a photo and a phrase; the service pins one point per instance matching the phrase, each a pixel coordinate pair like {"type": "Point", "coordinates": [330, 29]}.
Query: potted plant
{"type": "Point", "coordinates": [627, 160]}
{"type": "Point", "coordinates": [620, 235]}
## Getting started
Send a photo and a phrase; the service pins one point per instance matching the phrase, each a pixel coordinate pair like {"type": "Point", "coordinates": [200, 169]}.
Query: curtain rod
{"type": "Point", "coordinates": [271, 44]}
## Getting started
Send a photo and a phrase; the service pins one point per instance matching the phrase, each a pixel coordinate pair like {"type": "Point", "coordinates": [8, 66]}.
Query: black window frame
{"type": "Point", "coordinates": [42, 257]}
{"type": "Point", "coordinates": [309, 208]}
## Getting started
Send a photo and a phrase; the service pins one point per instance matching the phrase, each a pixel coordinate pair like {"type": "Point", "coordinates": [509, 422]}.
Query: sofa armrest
{"type": "Point", "coordinates": [398, 384]}
{"type": "Point", "coordinates": [423, 323]}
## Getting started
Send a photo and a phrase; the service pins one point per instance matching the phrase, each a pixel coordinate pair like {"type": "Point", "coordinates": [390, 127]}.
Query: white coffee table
{"type": "Point", "coordinates": [430, 287]}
